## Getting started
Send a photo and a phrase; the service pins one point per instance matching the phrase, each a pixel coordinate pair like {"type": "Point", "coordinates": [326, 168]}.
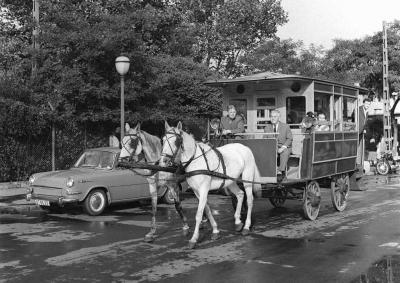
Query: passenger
{"type": "Point", "coordinates": [232, 124]}
{"type": "Point", "coordinates": [284, 139]}
{"type": "Point", "coordinates": [322, 124]}
{"type": "Point", "coordinates": [308, 123]}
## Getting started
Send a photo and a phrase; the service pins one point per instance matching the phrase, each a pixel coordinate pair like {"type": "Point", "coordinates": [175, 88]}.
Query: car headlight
{"type": "Point", "coordinates": [70, 182]}
{"type": "Point", "coordinates": [31, 179]}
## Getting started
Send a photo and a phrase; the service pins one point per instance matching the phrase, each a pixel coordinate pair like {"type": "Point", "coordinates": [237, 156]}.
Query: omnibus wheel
{"type": "Point", "coordinates": [382, 167]}
{"type": "Point", "coordinates": [311, 200]}
{"type": "Point", "coordinates": [278, 197]}
{"type": "Point", "coordinates": [340, 187]}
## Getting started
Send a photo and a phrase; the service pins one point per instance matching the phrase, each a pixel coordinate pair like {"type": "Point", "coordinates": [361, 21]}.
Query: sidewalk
{"type": "Point", "coordinates": [12, 199]}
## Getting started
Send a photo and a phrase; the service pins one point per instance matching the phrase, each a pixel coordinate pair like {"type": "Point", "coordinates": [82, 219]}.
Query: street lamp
{"type": "Point", "coordinates": [122, 66]}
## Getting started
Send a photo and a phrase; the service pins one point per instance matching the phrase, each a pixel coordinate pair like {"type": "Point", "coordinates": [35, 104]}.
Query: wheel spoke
{"type": "Point", "coordinates": [312, 200]}
{"type": "Point", "coordinates": [339, 191]}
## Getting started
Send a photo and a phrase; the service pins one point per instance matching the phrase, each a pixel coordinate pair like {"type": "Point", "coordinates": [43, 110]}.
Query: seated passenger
{"type": "Point", "coordinates": [322, 124]}
{"type": "Point", "coordinates": [284, 139]}
{"type": "Point", "coordinates": [232, 124]}
{"type": "Point", "coordinates": [308, 123]}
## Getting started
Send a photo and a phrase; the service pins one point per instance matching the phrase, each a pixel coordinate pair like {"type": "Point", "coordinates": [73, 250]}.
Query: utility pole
{"type": "Point", "coordinates": [35, 35]}
{"type": "Point", "coordinates": [387, 124]}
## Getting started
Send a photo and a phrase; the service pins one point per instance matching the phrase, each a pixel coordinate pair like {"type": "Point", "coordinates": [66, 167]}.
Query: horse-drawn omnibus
{"type": "Point", "coordinates": [327, 157]}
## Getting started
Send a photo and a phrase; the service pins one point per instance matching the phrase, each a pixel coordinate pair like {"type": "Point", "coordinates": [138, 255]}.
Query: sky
{"type": "Point", "coordinates": [321, 21]}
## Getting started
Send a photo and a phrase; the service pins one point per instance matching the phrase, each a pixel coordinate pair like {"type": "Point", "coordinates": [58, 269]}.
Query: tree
{"type": "Point", "coordinates": [224, 30]}
{"type": "Point", "coordinates": [285, 56]}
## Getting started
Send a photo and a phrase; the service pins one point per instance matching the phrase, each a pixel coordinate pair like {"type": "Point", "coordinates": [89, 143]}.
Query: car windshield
{"type": "Point", "coordinates": [97, 159]}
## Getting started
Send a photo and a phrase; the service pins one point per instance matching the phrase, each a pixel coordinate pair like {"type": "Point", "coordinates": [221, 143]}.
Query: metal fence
{"type": "Point", "coordinates": [19, 158]}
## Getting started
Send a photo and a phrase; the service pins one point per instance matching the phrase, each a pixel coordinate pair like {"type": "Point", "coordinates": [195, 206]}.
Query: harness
{"type": "Point", "coordinates": [134, 142]}
{"type": "Point", "coordinates": [181, 168]}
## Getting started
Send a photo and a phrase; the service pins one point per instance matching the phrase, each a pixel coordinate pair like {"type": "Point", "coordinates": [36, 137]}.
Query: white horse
{"type": "Point", "coordinates": [139, 145]}
{"type": "Point", "coordinates": [238, 160]}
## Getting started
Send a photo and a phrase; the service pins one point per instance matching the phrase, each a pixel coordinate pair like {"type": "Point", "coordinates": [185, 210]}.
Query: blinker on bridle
{"type": "Point", "coordinates": [133, 143]}
{"type": "Point", "coordinates": [178, 144]}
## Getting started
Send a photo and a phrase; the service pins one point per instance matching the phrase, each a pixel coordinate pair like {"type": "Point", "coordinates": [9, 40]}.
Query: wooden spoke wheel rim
{"type": "Point", "coordinates": [311, 200]}
{"type": "Point", "coordinates": [340, 187]}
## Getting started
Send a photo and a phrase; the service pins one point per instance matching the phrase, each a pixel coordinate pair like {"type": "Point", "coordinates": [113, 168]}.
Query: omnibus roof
{"type": "Point", "coordinates": [270, 76]}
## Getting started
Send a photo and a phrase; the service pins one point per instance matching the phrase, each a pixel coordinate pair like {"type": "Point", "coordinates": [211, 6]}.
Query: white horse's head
{"type": "Point", "coordinates": [172, 145]}
{"type": "Point", "coordinates": [132, 144]}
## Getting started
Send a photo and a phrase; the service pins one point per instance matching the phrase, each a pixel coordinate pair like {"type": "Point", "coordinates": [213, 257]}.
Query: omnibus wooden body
{"type": "Point", "coordinates": [319, 156]}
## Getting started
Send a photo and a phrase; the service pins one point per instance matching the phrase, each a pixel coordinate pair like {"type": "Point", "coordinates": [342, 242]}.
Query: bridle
{"type": "Point", "coordinates": [178, 145]}
{"type": "Point", "coordinates": [179, 148]}
{"type": "Point", "coordinates": [134, 141]}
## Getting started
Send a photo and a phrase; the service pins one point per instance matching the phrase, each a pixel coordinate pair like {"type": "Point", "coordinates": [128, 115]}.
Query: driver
{"type": "Point", "coordinates": [232, 124]}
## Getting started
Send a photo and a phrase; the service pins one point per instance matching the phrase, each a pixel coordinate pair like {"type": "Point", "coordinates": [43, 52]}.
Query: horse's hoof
{"type": "Point", "coordinates": [239, 227]}
{"type": "Point", "coordinates": [215, 236]}
{"type": "Point", "coordinates": [185, 231]}
{"type": "Point", "coordinates": [149, 238]}
{"type": "Point", "coordinates": [191, 245]}
{"type": "Point", "coordinates": [245, 232]}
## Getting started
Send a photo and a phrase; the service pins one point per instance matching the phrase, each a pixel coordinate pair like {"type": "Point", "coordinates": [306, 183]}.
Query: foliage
{"type": "Point", "coordinates": [174, 46]}
{"type": "Point", "coordinates": [226, 29]}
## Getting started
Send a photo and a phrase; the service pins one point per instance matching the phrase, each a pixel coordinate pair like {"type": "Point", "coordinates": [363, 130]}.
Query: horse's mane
{"type": "Point", "coordinates": [151, 146]}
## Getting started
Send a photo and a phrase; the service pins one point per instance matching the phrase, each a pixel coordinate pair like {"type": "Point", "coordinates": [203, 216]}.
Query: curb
{"type": "Point", "coordinates": [12, 191]}
{"type": "Point", "coordinates": [18, 207]}
{"type": "Point", "coordinates": [12, 199]}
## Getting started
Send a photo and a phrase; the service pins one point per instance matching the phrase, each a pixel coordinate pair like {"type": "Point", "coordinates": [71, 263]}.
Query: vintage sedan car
{"type": "Point", "coordinates": [95, 181]}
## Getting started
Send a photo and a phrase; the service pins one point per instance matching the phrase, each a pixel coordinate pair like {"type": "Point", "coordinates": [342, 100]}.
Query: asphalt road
{"type": "Point", "coordinates": [361, 244]}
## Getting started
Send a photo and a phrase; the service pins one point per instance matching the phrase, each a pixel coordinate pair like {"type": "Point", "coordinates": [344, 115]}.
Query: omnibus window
{"type": "Point", "coordinates": [264, 106]}
{"type": "Point", "coordinates": [349, 110]}
{"type": "Point", "coordinates": [321, 104]}
{"type": "Point", "coordinates": [296, 109]}
{"type": "Point", "coordinates": [336, 113]}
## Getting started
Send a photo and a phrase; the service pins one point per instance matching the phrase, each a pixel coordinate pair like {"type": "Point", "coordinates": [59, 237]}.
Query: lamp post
{"type": "Point", "coordinates": [122, 66]}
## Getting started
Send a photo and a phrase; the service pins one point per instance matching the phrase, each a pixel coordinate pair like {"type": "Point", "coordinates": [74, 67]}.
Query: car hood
{"type": "Point", "coordinates": [59, 178]}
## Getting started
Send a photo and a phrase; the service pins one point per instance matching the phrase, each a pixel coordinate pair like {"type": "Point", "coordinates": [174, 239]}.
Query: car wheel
{"type": "Point", "coordinates": [95, 202]}
{"type": "Point", "coordinates": [168, 196]}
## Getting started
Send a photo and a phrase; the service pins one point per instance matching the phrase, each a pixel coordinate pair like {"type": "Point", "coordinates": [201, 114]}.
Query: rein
{"type": "Point", "coordinates": [141, 156]}
{"type": "Point", "coordinates": [182, 168]}
{"type": "Point", "coordinates": [134, 145]}
{"type": "Point", "coordinates": [174, 169]}
{"type": "Point", "coordinates": [179, 147]}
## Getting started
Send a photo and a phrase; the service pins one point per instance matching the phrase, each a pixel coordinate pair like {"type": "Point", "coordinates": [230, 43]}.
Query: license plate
{"type": "Point", "coordinates": [42, 202]}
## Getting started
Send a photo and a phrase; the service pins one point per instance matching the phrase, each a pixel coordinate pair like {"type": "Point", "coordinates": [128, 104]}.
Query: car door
{"type": "Point", "coordinates": [126, 185]}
